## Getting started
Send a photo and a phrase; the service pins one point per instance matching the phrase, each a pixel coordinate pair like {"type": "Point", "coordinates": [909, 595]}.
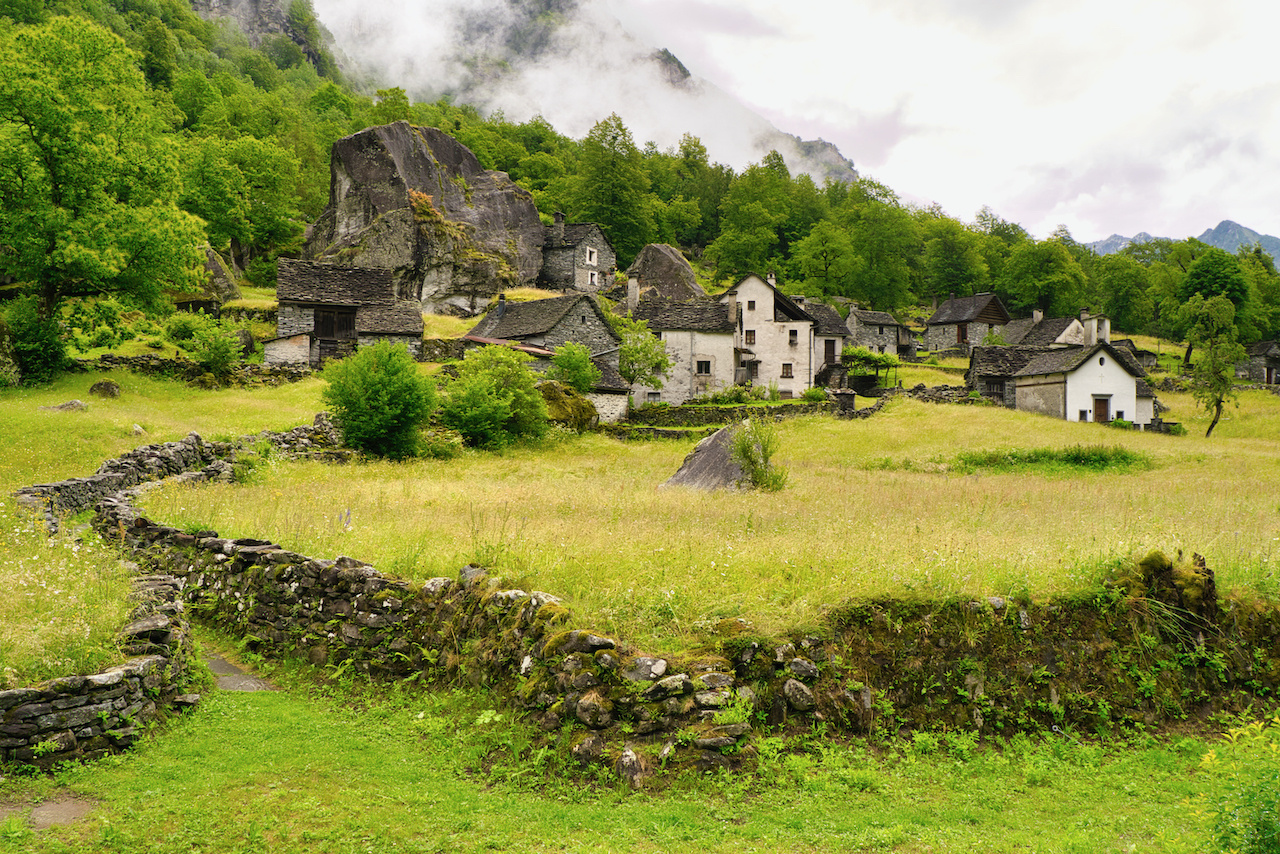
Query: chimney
{"type": "Point", "coordinates": [502, 307]}
{"type": "Point", "coordinates": [557, 230]}
{"type": "Point", "coordinates": [1036, 316]}
{"type": "Point", "coordinates": [633, 292]}
{"type": "Point", "coordinates": [772, 278]}
{"type": "Point", "coordinates": [798, 299]}
{"type": "Point", "coordinates": [1084, 314]}
{"type": "Point", "coordinates": [731, 300]}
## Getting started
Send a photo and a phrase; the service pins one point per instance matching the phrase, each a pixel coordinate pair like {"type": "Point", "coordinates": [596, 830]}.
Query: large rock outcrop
{"type": "Point", "coordinates": [663, 271]}
{"type": "Point", "coordinates": [415, 200]}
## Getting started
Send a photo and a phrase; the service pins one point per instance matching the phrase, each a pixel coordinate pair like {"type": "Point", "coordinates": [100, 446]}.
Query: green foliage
{"type": "Point", "coordinates": [494, 401]}
{"type": "Point", "coordinates": [754, 445]}
{"type": "Point", "coordinates": [183, 327]}
{"type": "Point", "coordinates": [814, 395]}
{"type": "Point", "coordinates": [37, 343]}
{"type": "Point", "coordinates": [1246, 818]}
{"type": "Point", "coordinates": [610, 188]}
{"type": "Point", "coordinates": [87, 170]}
{"type": "Point", "coordinates": [642, 356]}
{"type": "Point", "coordinates": [1211, 325]}
{"type": "Point", "coordinates": [572, 366]}
{"type": "Point", "coordinates": [861, 361]}
{"type": "Point", "coordinates": [734, 395]}
{"type": "Point", "coordinates": [216, 352]}
{"type": "Point", "coordinates": [379, 400]}
{"type": "Point", "coordinates": [1097, 458]}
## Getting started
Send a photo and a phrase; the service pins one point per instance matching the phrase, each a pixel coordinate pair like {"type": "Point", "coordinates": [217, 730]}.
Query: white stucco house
{"type": "Point", "coordinates": [775, 337]}
{"type": "Point", "coordinates": [1092, 381]}
{"type": "Point", "coordinates": [700, 338]}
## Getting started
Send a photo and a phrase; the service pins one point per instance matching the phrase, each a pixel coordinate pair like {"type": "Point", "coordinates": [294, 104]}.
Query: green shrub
{"type": "Point", "coordinates": [182, 327]}
{"type": "Point", "coordinates": [815, 395]}
{"type": "Point", "coordinates": [495, 400]}
{"type": "Point", "coordinates": [379, 400]}
{"type": "Point", "coordinates": [734, 395]}
{"type": "Point", "coordinates": [572, 366]}
{"type": "Point", "coordinates": [1121, 424]}
{"type": "Point", "coordinates": [216, 352]}
{"type": "Point", "coordinates": [754, 445]}
{"type": "Point", "coordinates": [38, 347]}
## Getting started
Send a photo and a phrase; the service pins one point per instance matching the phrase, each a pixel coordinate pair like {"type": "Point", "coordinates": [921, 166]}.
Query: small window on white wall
{"type": "Point", "coordinates": [653, 397]}
{"type": "Point", "coordinates": [704, 366]}
{"type": "Point", "coordinates": [591, 255]}
{"type": "Point", "coordinates": [1084, 415]}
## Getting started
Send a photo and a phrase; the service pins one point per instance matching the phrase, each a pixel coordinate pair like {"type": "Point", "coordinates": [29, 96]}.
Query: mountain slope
{"type": "Point", "coordinates": [569, 61]}
{"type": "Point", "coordinates": [1226, 235]}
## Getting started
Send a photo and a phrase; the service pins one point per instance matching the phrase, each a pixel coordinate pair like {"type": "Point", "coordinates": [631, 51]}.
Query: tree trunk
{"type": "Point", "coordinates": [1217, 413]}
{"type": "Point", "coordinates": [1186, 359]}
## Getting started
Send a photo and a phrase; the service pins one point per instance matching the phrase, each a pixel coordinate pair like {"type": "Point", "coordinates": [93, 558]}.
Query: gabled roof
{"type": "Point", "coordinates": [402, 318]}
{"type": "Point", "coordinates": [1264, 348]}
{"type": "Point", "coordinates": [826, 320]}
{"type": "Point", "coordinates": [1061, 360]}
{"type": "Point", "coordinates": [698, 315]}
{"type": "Point", "coordinates": [1026, 331]}
{"type": "Point", "coordinates": [1127, 344]}
{"type": "Point", "coordinates": [990, 361]}
{"type": "Point", "coordinates": [1029, 361]}
{"type": "Point", "coordinates": [333, 284]}
{"type": "Point", "coordinates": [985, 307]}
{"type": "Point", "coordinates": [873, 318]}
{"type": "Point", "coordinates": [574, 234]}
{"type": "Point", "coordinates": [516, 320]}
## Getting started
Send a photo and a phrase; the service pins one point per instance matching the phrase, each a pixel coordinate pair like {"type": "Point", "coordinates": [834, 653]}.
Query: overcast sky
{"type": "Point", "coordinates": [1109, 116]}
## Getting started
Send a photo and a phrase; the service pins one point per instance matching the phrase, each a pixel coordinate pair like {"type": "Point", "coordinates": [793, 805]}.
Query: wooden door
{"type": "Point", "coordinates": [1101, 409]}
{"type": "Point", "coordinates": [829, 351]}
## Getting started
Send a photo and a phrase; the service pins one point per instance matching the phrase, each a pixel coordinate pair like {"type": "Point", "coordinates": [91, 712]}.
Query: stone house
{"type": "Point", "coordinates": [879, 332]}
{"type": "Point", "coordinates": [829, 332]}
{"type": "Point", "coordinates": [1093, 381]}
{"type": "Point", "coordinates": [1147, 358]}
{"type": "Point", "coordinates": [1263, 365]}
{"type": "Point", "coordinates": [327, 310]}
{"type": "Point", "coordinates": [1041, 331]}
{"type": "Point", "coordinates": [962, 322]}
{"type": "Point", "coordinates": [775, 336]}
{"type": "Point", "coordinates": [576, 257]}
{"type": "Point", "coordinates": [700, 336]}
{"type": "Point", "coordinates": [540, 326]}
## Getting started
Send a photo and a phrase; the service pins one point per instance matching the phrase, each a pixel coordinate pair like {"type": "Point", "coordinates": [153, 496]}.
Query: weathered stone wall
{"type": "Point", "coordinates": [699, 416]}
{"type": "Point", "coordinates": [292, 319]}
{"type": "Point", "coordinates": [87, 716]}
{"type": "Point", "coordinates": [611, 408]}
{"type": "Point", "coordinates": [244, 374]}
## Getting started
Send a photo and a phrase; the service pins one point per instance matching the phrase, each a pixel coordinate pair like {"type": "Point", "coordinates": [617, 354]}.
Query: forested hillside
{"type": "Point", "coordinates": [133, 131]}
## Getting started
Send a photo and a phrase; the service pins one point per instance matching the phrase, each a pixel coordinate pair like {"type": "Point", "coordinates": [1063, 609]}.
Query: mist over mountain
{"type": "Point", "coordinates": [569, 61]}
{"type": "Point", "coordinates": [1226, 235]}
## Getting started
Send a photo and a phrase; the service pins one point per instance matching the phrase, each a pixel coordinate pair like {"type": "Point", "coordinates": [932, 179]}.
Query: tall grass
{"type": "Point", "coordinates": [63, 603]}
{"type": "Point", "coordinates": [586, 520]}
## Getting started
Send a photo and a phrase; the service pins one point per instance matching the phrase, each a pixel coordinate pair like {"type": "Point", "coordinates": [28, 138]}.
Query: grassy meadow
{"type": "Point", "coordinates": [341, 768]}
{"type": "Point", "coordinates": [875, 506]}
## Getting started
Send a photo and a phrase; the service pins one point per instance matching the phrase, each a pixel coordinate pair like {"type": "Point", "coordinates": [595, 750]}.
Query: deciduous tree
{"type": "Point", "coordinates": [87, 171]}
{"type": "Point", "coordinates": [1211, 325]}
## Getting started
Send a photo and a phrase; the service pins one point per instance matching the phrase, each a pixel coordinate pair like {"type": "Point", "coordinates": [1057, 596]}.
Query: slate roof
{"type": "Point", "coordinates": [698, 315]}
{"type": "Point", "coordinates": [402, 318]}
{"type": "Point", "coordinates": [986, 361]}
{"type": "Point", "coordinates": [610, 380]}
{"type": "Point", "coordinates": [1059, 360]}
{"type": "Point", "coordinates": [1025, 330]}
{"type": "Point", "coordinates": [1264, 349]}
{"type": "Point", "coordinates": [874, 318]}
{"type": "Point", "coordinates": [826, 320]}
{"type": "Point", "coordinates": [516, 320]}
{"type": "Point", "coordinates": [574, 233]}
{"type": "Point", "coordinates": [969, 309]}
{"type": "Point", "coordinates": [1142, 389]}
{"type": "Point", "coordinates": [1029, 361]}
{"type": "Point", "coordinates": [333, 284]}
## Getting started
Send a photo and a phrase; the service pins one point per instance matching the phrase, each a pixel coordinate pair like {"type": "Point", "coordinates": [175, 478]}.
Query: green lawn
{"type": "Point", "coordinates": [302, 770]}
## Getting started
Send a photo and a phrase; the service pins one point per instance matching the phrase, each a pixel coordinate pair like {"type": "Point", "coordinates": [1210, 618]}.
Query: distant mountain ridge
{"type": "Point", "coordinates": [1226, 235]}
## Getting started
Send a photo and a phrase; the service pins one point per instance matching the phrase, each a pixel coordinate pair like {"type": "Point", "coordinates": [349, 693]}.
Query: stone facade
{"type": "Point", "coordinates": [577, 257]}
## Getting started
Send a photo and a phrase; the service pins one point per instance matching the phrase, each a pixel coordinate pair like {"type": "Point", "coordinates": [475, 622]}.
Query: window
{"type": "Point", "coordinates": [995, 388]}
{"type": "Point", "coordinates": [653, 397]}
{"type": "Point", "coordinates": [794, 336]}
{"type": "Point", "coordinates": [1084, 415]}
{"type": "Point", "coordinates": [591, 277]}
{"type": "Point", "coordinates": [786, 370]}
{"type": "Point", "coordinates": [751, 305]}
{"type": "Point", "coordinates": [591, 256]}
{"type": "Point", "coordinates": [750, 336]}
{"type": "Point", "coordinates": [962, 333]}
{"type": "Point", "coordinates": [1119, 414]}
{"type": "Point", "coordinates": [704, 366]}
{"type": "Point", "coordinates": [881, 332]}
{"type": "Point", "coordinates": [754, 370]}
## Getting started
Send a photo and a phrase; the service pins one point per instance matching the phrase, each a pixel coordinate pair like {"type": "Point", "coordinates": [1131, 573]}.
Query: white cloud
{"type": "Point", "coordinates": [1106, 115]}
